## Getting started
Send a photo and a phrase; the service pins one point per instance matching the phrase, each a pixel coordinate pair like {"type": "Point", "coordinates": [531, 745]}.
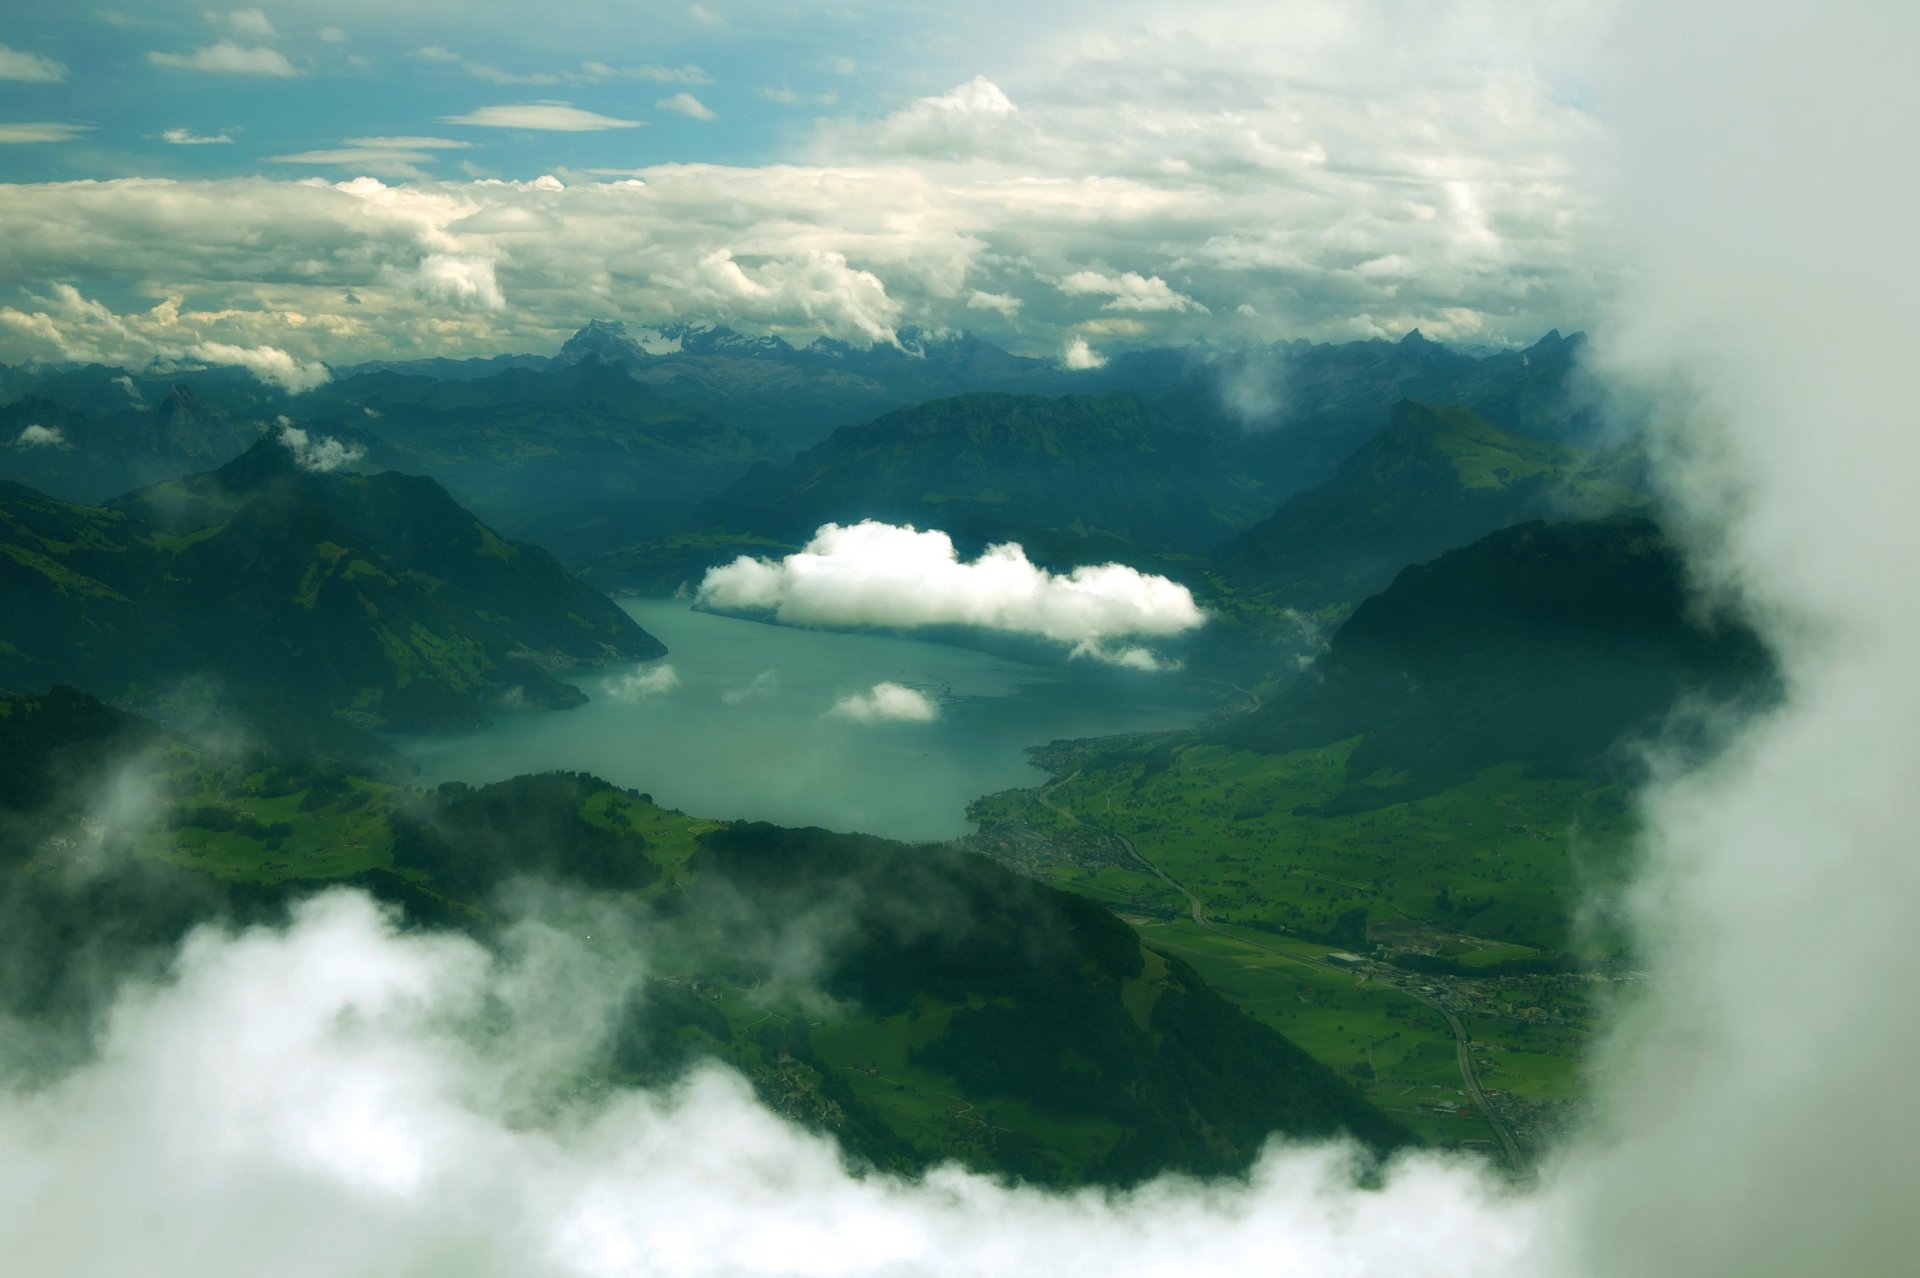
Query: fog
{"type": "Point", "coordinates": [326, 1098]}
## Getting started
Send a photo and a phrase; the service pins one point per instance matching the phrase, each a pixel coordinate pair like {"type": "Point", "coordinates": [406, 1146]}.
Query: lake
{"type": "Point", "coordinates": [745, 731]}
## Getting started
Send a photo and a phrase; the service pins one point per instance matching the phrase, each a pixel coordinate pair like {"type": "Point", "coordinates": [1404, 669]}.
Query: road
{"type": "Point", "coordinates": [1462, 1041]}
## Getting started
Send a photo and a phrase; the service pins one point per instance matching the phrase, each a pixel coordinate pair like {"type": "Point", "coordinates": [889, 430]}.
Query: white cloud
{"type": "Point", "coordinates": [646, 684]}
{"type": "Point", "coordinates": [887, 702]}
{"type": "Point", "coordinates": [553, 117]}
{"type": "Point", "coordinates": [187, 137]}
{"type": "Point", "coordinates": [252, 23]}
{"type": "Point", "coordinates": [1001, 303]}
{"type": "Point", "coordinates": [228, 58]}
{"type": "Point", "coordinates": [759, 688]}
{"type": "Point", "coordinates": [371, 161]}
{"type": "Point", "coordinates": [269, 364]}
{"type": "Point", "coordinates": [410, 143]}
{"type": "Point", "coordinates": [706, 17]}
{"type": "Point", "coordinates": [321, 454]}
{"type": "Point", "coordinates": [15, 65]}
{"type": "Point", "coordinates": [333, 35]}
{"type": "Point", "coordinates": [684, 74]}
{"type": "Point", "coordinates": [688, 105]}
{"type": "Point", "coordinates": [407, 1102]}
{"type": "Point", "coordinates": [463, 280]}
{"type": "Point", "coordinates": [1130, 291]}
{"type": "Point", "coordinates": [44, 131]}
{"type": "Point", "coordinates": [1080, 357]}
{"type": "Point", "coordinates": [875, 574]}
{"type": "Point", "coordinates": [38, 436]}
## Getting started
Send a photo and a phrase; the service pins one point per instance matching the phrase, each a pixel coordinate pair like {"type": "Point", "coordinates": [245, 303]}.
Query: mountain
{"type": "Point", "coordinates": [1433, 478]}
{"type": "Point", "coordinates": [922, 1005]}
{"type": "Point", "coordinates": [578, 456]}
{"type": "Point", "coordinates": [1295, 410]}
{"type": "Point", "coordinates": [373, 597]}
{"type": "Point", "coordinates": [801, 393]}
{"type": "Point", "coordinates": [1545, 644]}
{"type": "Point", "coordinates": [1074, 479]}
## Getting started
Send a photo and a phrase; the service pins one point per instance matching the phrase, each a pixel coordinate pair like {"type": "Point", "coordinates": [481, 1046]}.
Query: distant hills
{"type": "Point", "coordinates": [618, 437]}
{"type": "Point", "coordinates": [375, 598]}
{"type": "Point", "coordinates": [1074, 478]}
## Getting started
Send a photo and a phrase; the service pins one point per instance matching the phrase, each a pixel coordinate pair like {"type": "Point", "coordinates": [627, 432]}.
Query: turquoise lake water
{"type": "Point", "coordinates": [746, 730]}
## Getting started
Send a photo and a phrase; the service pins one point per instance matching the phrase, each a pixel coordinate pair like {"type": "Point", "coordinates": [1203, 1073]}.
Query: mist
{"type": "Point", "coordinates": [327, 1097]}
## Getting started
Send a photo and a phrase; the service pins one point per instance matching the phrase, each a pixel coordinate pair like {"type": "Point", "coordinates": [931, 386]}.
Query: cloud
{"type": "Point", "coordinates": [15, 65]}
{"type": "Point", "coordinates": [268, 363]}
{"type": "Point", "coordinates": [1000, 303]}
{"type": "Point", "coordinates": [643, 685]}
{"type": "Point", "coordinates": [371, 161]}
{"type": "Point", "coordinates": [706, 17]}
{"type": "Point", "coordinates": [186, 137]}
{"type": "Point", "coordinates": [688, 105]}
{"type": "Point", "coordinates": [321, 454]}
{"type": "Point", "coordinates": [252, 23]}
{"type": "Point", "coordinates": [228, 58]}
{"type": "Point", "coordinates": [554, 117]}
{"type": "Point", "coordinates": [1080, 357]}
{"type": "Point", "coordinates": [887, 702]}
{"type": "Point", "coordinates": [875, 574]}
{"type": "Point", "coordinates": [1129, 291]}
{"type": "Point", "coordinates": [38, 436]}
{"type": "Point", "coordinates": [285, 1084]}
{"type": "Point", "coordinates": [759, 688]}
{"type": "Point", "coordinates": [410, 143]}
{"type": "Point", "coordinates": [684, 74]}
{"type": "Point", "coordinates": [44, 131]}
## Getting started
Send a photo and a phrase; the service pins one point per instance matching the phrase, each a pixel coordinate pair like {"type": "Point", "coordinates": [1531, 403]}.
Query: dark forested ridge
{"type": "Point", "coordinates": [375, 597]}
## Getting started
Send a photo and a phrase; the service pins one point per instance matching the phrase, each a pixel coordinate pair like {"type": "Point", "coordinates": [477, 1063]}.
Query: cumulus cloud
{"type": "Point", "coordinates": [16, 65]}
{"type": "Point", "coordinates": [688, 105]}
{"type": "Point", "coordinates": [268, 363]}
{"type": "Point", "coordinates": [285, 1082]}
{"type": "Point", "coordinates": [321, 454]}
{"type": "Point", "coordinates": [551, 117]}
{"type": "Point", "coordinates": [887, 702]}
{"type": "Point", "coordinates": [1079, 356]}
{"type": "Point", "coordinates": [38, 436]}
{"type": "Point", "coordinates": [643, 685]}
{"type": "Point", "coordinates": [1129, 291]}
{"type": "Point", "coordinates": [229, 58]}
{"type": "Point", "coordinates": [876, 574]}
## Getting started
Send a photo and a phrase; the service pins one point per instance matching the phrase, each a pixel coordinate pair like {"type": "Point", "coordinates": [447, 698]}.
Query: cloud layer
{"type": "Point", "coordinates": [876, 574]}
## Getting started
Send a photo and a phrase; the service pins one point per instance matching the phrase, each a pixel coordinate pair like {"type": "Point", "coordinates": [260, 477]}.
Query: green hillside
{"type": "Point", "coordinates": [1433, 478]}
{"type": "Point", "coordinates": [372, 597]}
{"type": "Point", "coordinates": [922, 1004]}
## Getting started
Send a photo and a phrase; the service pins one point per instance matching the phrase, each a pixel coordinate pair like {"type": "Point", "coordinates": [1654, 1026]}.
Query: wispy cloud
{"type": "Point", "coordinates": [15, 65]}
{"type": "Point", "coordinates": [228, 58]}
{"type": "Point", "coordinates": [186, 137]}
{"type": "Point", "coordinates": [551, 117]}
{"type": "Point", "coordinates": [41, 131]}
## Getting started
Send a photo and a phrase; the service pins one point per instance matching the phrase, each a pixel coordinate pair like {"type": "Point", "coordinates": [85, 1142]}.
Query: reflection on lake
{"type": "Point", "coordinates": [741, 728]}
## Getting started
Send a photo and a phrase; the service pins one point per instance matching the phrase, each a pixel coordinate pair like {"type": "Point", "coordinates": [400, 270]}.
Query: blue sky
{"type": "Point", "coordinates": [354, 179]}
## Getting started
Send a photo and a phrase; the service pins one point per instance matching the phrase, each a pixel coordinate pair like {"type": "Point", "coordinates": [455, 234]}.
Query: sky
{"type": "Point", "coordinates": [351, 180]}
